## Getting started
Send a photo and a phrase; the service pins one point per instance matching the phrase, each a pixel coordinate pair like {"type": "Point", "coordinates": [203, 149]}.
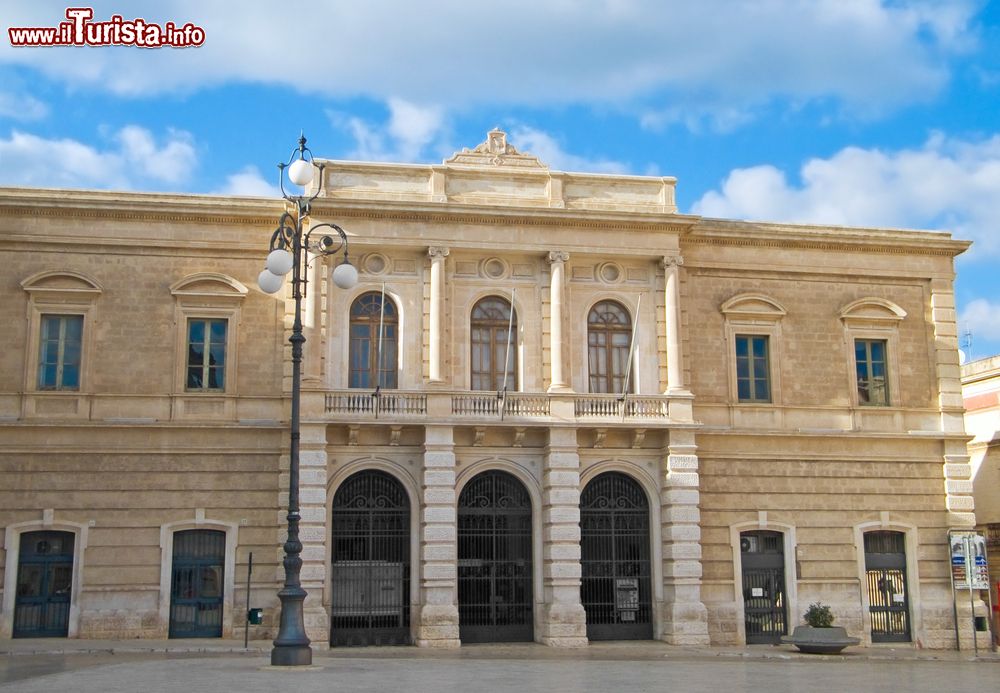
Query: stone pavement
{"type": "Point", "coordinates": [187, 666]}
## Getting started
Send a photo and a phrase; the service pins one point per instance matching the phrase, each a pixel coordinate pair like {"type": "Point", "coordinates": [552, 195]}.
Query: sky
{"type": "Point", "coordinates": [879, 113]}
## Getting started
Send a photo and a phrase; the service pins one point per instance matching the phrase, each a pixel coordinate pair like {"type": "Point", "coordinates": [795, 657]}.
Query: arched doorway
{"type": "Point", "coordinates": [370, 571]}
{"type": "Point", "coordinates": [495, 598]}
{"type": "Point", "coordinates": [614, 536]}
{"type": "Point", "coordinates": [762, 554]}
{"type": "Point", "coordinates": [44, 585]}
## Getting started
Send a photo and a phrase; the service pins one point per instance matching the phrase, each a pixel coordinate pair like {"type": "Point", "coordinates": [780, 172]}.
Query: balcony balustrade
{"type": "Point", "coordinates": [540, 408]}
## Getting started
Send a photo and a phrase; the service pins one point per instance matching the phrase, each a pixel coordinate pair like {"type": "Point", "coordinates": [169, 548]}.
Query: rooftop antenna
{"type": "Point", "coordinates": [965, 352]}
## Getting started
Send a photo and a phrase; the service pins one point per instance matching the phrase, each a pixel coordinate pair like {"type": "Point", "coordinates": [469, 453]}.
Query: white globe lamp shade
{"type": "Point", "coordinates": [279, 262]}
{"type": "Point", "coordinates": [269, 282]}
{"type": "Point", "coordinates": [301, 172]}
{"type": "Point", "coordinates": [345, 276]}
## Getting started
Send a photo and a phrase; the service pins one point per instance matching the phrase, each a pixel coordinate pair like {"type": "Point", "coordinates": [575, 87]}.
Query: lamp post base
{"type": "Point", "coordinates": [291, 647]}
{"type": "Point", "coordinates": [291, 656]}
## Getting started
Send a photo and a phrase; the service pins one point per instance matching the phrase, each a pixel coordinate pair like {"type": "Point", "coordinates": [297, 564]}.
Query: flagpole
{"type": "Point", "coordinates": [502, 395]}
{"type": "Point", "coordinates": [631, 356]}
{"type": "Point", "coordinates": [378, 365]}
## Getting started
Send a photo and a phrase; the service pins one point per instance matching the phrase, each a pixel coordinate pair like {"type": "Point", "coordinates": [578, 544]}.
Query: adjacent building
{"type": "Point", "coordinates": [553, 409]}
{"type": "Point", "coordinates": [981, 389]}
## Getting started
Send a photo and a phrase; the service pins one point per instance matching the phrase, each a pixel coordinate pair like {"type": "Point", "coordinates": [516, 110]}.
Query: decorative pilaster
{"type": "Point", "coordinates": [684, 616]}
{"type": "Point", "coordinates": [437, 256]}
{"type": "Point", "coordinates": [957, 465]}
{"type": "Point", "coordinates": [312, 364]}
{"type": "Point", "coordinates": [557, 261]}
{"type": "Point", "coordinates": [672, 295]}
{"type": "Point", "coordinates": [563, 620]}
{"type": "Point", "coordinates": [437, 616]}
{"type": "Point", "coordinates": [312, 529]}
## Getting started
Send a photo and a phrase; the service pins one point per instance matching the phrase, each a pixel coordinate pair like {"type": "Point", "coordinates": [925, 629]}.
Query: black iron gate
{"type": "Point", "coordinates": [44, 584]}
{"type": "Point", "coordinates": [762, 554]}
{"type": "Point", "coordinates": [494, 560]}
{"type": "Point", "coordinates": [885, 566]}
{"type": "Point", "coordinates": [614, 529]}
{"type": "Point", "coordinates": [197, 583]}
{"type": "Point", "coordinates": [370, 574]}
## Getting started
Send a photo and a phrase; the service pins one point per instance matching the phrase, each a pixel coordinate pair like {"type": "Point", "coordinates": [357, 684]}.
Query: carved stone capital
{"type": "Point", "coordinates": [671, 261]}
{"type": "Point", "coordinates": [437, 253]}
{"type": "Point", "coordinates": [558, 256]}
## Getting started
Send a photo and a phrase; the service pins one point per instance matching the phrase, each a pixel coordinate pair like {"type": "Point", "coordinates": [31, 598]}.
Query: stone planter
{"type": "Point", "coordinates": [819, 640]}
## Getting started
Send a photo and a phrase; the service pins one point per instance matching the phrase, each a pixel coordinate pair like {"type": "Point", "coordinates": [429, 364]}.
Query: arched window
{"type": "Point", "coordinates": [370, 365]}
{"type": "Point", "coordinates": [492, 331]}
{"type": "Point", "coordinates": [609, 340]}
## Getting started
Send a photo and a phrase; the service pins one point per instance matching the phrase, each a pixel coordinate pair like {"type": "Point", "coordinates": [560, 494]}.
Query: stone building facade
{"type": "Point", "coordinates": [553, 409]}
{"type": "Point", "coordinates": [981, 389]}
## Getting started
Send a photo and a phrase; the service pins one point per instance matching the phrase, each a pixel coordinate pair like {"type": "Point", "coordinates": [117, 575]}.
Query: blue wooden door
{"type": "Point", "coordinates": [44, 584]}
{"type": "Point", "coordinates": [197, 584]}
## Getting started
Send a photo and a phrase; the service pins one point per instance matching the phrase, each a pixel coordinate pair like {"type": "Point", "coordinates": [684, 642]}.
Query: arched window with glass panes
{"type": "Point", "coordinates": [494, 344]}
{"type": "Point", "coordinates": [374, 342]}
{"type": "Point", "coordinates": [609, 342]}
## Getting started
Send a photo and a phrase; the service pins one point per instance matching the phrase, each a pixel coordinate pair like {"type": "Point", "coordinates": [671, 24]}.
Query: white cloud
{"type": "Point", "coordinates": [982, 318]}
{"type": "Point", "coordinates": [21, 107]}
{"type": "Point", "coordinates": [171, 163]}
{"type": "Point", "coordinates": [409, 132]}
{"type": "Point", "coordinates": [718, 58]}
{"type": "Point", "coordinates": [135, 159]}
{"type": "Point", "coordinates": [249, 182]}
{"type": "Point", "coordinates": [550, 152]}
{"type": "Point", "coordinates": [948, 183]}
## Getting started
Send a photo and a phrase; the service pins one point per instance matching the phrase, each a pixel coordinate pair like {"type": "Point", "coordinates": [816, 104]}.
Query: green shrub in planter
{"type": "Point", "coordinates": [818, 615]}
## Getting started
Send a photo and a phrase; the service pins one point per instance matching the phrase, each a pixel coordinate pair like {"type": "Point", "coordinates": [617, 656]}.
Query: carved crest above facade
{"type": "Point", "coordinates": [495, 152]}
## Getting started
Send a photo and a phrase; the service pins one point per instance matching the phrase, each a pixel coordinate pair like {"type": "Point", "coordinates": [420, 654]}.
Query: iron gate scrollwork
{"type": "Point", "coordinates": [495, 598]}
{"type": "Point", "coordinates": [762, 554]}
{"type": "Point", "coordinates": [44, 584]}
{"type": "Point", "coordinates": [197, 582]}
{"type": "Point", "coordinates": [370, 573]}
{"type": "Point", "coordinates": [614, 535]}
{"type": "Point", "coordinates": [885, 568]}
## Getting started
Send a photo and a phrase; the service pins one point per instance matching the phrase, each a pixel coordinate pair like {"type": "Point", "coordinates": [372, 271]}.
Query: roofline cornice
{"type": "Point", "coordinates": [723, 232]}
{"type": "Point", "coordinates": [139, 206]}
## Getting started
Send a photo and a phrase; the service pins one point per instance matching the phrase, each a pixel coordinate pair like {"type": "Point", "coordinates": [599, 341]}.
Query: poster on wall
{"type": "Point", "coordinates": [969, 567]}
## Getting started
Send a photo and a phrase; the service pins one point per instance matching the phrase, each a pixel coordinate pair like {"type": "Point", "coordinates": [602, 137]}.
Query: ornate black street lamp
{"type": "Point", "coordinates": [292, 248]}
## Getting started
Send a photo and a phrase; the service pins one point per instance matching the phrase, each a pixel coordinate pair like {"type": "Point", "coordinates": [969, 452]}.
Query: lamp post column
{"type": "Point", "coordinates": [291, 646]}
{"type": "Point", "coordinates": [290, 250]}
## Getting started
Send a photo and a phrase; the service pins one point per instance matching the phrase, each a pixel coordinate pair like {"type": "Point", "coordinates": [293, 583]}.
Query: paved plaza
{"type": "Point", "coordinates": [218, 667]}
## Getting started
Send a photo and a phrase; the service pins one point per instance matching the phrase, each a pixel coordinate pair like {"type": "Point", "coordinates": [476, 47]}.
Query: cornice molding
{"type": "Point", "coordinates": [716, 232]}
{"type": "Point", "coordinates": [132, 206]}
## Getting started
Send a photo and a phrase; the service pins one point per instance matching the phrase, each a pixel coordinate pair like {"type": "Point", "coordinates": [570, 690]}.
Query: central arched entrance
{"type": "Point", "coordinates": [494, 560]}
{"type": "Point", "coordinates": [614, 543]}
{"type": "Point", "coordinates": [370, 573]}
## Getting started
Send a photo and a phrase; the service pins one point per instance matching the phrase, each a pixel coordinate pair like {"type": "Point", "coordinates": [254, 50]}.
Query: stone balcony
{"type": "Point", "coordinates": [484, 408]}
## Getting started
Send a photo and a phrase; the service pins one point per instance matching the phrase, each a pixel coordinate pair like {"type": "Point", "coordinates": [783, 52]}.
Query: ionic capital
{"type": "Point", "coordinates": [437, 252]}
{"type": "Point", "coordinates": [558, 256]}
{"type": "Point", "coordinates": [669, 261]}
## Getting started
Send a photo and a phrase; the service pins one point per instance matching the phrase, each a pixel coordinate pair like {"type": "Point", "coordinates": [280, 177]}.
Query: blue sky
{"type": "Point", "coordinates": [859, 112]}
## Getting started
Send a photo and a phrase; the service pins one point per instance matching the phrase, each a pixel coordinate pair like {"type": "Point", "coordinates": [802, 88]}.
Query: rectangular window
{"type": "Point", "coordinates": [59, 352]}
{"type": "Point", "coordinates": [869, 359]}
{"type": "Point", "coordinates": [753, 376]}
{"type": "Point", "coordinates": [206, 361]}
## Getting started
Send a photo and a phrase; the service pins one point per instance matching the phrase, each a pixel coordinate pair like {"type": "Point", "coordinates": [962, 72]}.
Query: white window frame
{"type": "Point", "coordinates": [207, 296]}
{"type": "Point", "coordinates": [60, 292]}
{"type": "Point", "coordinates": [754, 315]}
{"type": "Point", "coordinates": [873, 318]}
